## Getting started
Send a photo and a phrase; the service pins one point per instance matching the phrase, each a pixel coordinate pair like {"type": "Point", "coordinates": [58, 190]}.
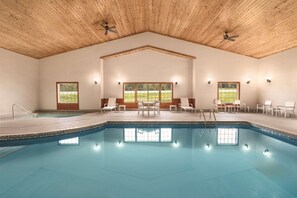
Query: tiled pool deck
{"type": "Point", "coordinates": [32, 127]}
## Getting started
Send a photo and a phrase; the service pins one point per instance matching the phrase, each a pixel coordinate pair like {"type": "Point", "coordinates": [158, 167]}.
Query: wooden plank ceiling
{"type": "Point", "coordinates": [41, 28]}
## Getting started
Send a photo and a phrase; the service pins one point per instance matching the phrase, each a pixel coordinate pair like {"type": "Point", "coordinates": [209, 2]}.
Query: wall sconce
{"type": "Point", "coordinates": [95, 81]}
{"type": "Point", "coordinates": [209, 81]}
{"type": "Point", "coordinates": [119, 82]}
{"type": "Point", "coordinates": [248, 81]}
{"type": "Point", "coordinates": [268, 80]}
{"type": "Point", "coordinates": [176, 83]}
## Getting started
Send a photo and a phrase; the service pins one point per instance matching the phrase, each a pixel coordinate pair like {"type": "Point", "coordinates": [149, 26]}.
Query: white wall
{"type": "Point", "coordinates": [220, 67]}
{"type": "Point", "coordinates": [282, 69]}
{"type": "Point", "coordinates": [83, 65]}
{"type": "Point", "coordinates": [147, 66]}
{"type": "Point", "coordinates": [24, 83]}
{"type": "Point", "coordinates": [19, 82]}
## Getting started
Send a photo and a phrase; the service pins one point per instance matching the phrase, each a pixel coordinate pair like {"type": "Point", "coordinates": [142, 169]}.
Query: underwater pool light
{"type": "Point", "coordinates": [97, 147]}
{"type": "Point", "coordinates": [119, 143]}
{"type": "Point", "coordinates": [267, 153]}
{"type": "Point", "coordinates": [207, 147]}
{"type": "Point", "coordinates": [246, 147]}
{"type": "Point", "coordinates": [175, 144]}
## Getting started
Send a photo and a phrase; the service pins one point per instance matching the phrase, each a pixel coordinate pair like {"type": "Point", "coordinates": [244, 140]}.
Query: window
{"type": "Point", "coordinates": [142, 94]}
{"type": "Point", "coordinates": [227, 136]}
{"type": "Point", "coordinates": [134, 92]}
{"type": "Point", "coordinates": [129, 93]}
{"type": "Point", "coordinates": [228, 92]}
{"type": "Point", "coordinates": [67, 96]}
{"type": "Point", "coordinates": [148, 135]}
{"type": "Point", "coordinates": [153, 92]}
{"type": "Point", "coordinates": [166, 93]}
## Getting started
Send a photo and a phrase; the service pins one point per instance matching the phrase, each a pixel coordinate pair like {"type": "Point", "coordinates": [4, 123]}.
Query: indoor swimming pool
{"type": "Point", "coordinates": [152, 160]}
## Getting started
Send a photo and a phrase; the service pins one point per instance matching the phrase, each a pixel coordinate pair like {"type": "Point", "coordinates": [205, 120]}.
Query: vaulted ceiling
{"type": "Point", "coordinates": [41, 28]}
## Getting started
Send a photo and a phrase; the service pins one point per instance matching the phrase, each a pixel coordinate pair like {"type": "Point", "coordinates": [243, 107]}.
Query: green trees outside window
{"type": "Point", "coordinates": [67, 92]}
{"type": "Point", "coordinates": [228, 92]}
{"type": "Point", "coordinates": [134, 92]}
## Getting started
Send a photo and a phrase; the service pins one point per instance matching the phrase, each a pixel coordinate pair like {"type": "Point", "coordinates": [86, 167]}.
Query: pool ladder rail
{"type": "Point", "coordinates": [211, 112]}
{"type": "Point", "coordinates": [24, 109]}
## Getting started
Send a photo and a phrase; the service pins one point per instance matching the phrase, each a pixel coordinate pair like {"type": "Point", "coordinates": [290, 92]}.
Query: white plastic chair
{"type": "Point", "coordinates": [111, 105]}
{"type": "Point", "coordinates": [218, 105]}
{"type": "Point", "coordinates": [157, 107]}
{"type": "Point", "coordinates": [245, 107]}
{"type": "Point", "coordinates": [184, 104]}
{"type": "Point", "coordinates": [141, 107]}
{"type": "Point", "coordinates": [267, 106]}
{"type": "Point", "coordinates": [237, 105]}
{"type": "Point", "coordinates": [288, 108]}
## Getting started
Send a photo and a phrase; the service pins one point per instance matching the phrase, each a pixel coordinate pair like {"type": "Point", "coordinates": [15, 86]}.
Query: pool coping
{"type": "Point", "coordinates": [284, 135]}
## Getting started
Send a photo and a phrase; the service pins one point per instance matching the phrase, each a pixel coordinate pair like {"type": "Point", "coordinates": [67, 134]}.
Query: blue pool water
{"type": "Point", "coordinates": [152, 161]}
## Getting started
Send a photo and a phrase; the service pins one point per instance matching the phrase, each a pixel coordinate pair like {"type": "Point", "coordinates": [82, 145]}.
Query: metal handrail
{"type": "Point", "coordinates": [211, 112]}
{"type": "Point", "coordinates": [202, 112]}
{"type": "Point", "coordinates": [23, 108]}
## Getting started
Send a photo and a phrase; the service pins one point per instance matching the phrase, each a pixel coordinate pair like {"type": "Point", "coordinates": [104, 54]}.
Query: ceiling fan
{"type": "Point", "coordinates": [226, 36]}
{"type": "Point", "coordinates": [108, 28]}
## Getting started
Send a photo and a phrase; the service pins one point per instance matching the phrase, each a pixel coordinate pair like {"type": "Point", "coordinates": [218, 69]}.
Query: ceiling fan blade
{"type": "Point", "coordinates": [114, 31]}
{"type": "Point", "coordinates": [102, 25]}
{"type": "Point", "coordinates": [112, 27]}
{"type": "Point", "coordinates": [231, 39]}
{"type": "Point", "coordinates": [106, 31]}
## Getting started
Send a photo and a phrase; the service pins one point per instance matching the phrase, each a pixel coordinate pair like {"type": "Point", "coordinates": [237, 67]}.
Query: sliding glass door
{"type": "Point", "coordinates": [134, 92]}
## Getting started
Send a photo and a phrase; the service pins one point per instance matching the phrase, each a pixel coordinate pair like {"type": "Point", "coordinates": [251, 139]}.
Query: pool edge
{"type": "Point", "coordinates": [263, 129]}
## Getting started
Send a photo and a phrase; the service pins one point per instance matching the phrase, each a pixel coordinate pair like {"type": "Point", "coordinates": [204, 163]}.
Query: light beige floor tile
{"type": "Point", "coordinates": [41, 125]}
